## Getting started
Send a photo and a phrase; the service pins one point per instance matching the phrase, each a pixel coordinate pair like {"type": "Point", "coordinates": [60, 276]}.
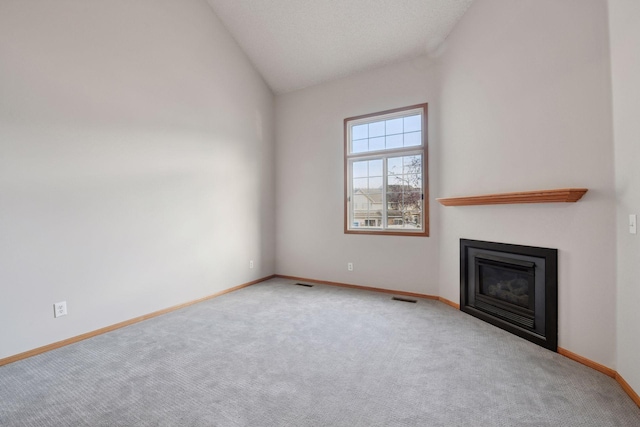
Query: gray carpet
{"type": "Point", "coordinates": [276, 354]}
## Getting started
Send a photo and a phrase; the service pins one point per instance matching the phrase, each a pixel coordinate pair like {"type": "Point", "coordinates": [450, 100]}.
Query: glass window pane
{"type": "Point", "coordinates": [394, 210]}
{"type": "Point", "coordinates": [375, 167]}
{"type": "Point", "coordinates": [376, 129]}
{"type": "Point", "coordinates": [413, 181]}
{"type": "Point", "coordinates": [393, 126]}
{"type": "Point", "coordinates": [359, 209]}
{"type": "Point", "coordinates": [394, 141]}
{"type": "Point", "coordinates": [394, 165]}
{"type": "Point", "coordinates": [376, 144]}
{"type": "Point", "coordinates": [412, 139]}
{"type": "Point", "coordinates": [373, 204]}
{"type": "Point", "coordinates": [417, 220]}
{"type": "Point", "coordinates": [412, 201]}
{"type": "Point", "coordinates": [360, 169]}
{"type": "Point", "coordinates": [361, 184]}
{"type": "Point", "coordinates": [394, 203]}
{"type": "Point", "coordinates": [359, 202]}
{"type": "Point", "coordinates": [394, 181]}
{"type": "Point", "coordinates": [412, 164]}
{"type": "Point", "coordinates": [360, 146]}
{"type": "Point", "coordinates": [375, 183]}
{"type": "Point", "coordinates": [371, 221]}
{"type": "Point", "coordinates": [404, 210]}
{"type": "Point", "coordinates": [359, 132]}
{"type": "Point", "coordinates": [413, 123]}
{"type": "Point", "coordinates": [375, 198]}
{"type": "Point", "coordinates": [413, 220]}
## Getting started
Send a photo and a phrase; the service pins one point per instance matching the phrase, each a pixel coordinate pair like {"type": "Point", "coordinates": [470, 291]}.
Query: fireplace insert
{"type": "Point", "coordinates": [513, 287]}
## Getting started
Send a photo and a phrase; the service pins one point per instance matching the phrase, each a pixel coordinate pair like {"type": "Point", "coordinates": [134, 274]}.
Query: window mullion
{"type": "Point", "coordinates": [385, 222]}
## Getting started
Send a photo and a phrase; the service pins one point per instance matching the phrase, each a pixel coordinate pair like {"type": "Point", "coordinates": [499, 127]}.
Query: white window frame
{"type": "Point", "coordinates": [350, 157]}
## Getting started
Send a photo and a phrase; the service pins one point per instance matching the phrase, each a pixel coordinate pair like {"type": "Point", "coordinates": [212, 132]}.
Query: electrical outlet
{"type": "Point", "coordinates": [60, 309]}
{"type": "Point", "coordinates": [251, 264]}
{"type": "Point", "coordinates": [350, 266]}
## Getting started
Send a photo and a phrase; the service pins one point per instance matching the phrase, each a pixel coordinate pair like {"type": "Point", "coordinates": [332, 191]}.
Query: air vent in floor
{"type": "Point", "coordinates": [404, 299]}
{"type": "Point", "coordinates": [305, 285]}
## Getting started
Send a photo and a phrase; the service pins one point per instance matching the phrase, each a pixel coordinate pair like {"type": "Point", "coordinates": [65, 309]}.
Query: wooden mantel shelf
{"type": "Point", "coordinates": [537, 196]}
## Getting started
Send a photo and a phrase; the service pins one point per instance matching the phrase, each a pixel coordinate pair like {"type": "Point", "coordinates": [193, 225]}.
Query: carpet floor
{"type": "Point", "coordinates": [276, 354]}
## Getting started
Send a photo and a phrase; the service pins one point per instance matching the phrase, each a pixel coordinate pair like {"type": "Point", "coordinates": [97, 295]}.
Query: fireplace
{"type": "Point", "coordinates": [513, 287]}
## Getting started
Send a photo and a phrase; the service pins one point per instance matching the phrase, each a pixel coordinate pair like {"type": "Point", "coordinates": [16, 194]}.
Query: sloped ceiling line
{"type": "Point", "coordinates": [300, 43]}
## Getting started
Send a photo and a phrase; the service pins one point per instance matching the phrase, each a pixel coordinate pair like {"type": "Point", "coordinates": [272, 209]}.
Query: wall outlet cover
{"type": "Point", "coordinates": [60, 309]}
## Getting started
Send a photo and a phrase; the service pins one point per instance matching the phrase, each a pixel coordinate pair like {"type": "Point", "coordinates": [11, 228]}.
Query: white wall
{"type": "Point", "coordinates": [525, 105]}
{"type": "Point", "coordinates": [310, 182]}
{"type": "Point", "coordinates": [136, 163]}
{"type": "Point", "coordinates": [624, 16]}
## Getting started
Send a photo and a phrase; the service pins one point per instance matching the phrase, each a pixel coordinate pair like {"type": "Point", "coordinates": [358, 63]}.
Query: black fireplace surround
{"type": "Point", "coordinates": [512, 287]}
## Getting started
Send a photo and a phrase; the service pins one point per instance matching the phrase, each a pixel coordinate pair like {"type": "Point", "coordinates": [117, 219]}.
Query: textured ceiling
{"type": "Point", "coordinates": [299, 43]}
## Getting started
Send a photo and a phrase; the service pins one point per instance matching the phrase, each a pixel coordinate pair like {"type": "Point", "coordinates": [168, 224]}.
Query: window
{"type": "Point", "coordinates": [385, 173]}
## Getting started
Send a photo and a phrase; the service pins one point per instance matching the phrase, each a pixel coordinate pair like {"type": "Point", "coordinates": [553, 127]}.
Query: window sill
{"type": "Point", "coordinates": [389, 233]}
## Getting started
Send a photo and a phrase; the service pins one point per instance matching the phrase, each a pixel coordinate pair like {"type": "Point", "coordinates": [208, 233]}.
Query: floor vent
{"type": "Point", "coordinates": [404, 299]}
{"type": "Point", "coordinates": [304, 284]}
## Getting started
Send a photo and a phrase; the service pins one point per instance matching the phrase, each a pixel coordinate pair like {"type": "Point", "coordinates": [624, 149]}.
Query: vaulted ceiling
{"type": "Point", "coordinates": [299, 43]}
